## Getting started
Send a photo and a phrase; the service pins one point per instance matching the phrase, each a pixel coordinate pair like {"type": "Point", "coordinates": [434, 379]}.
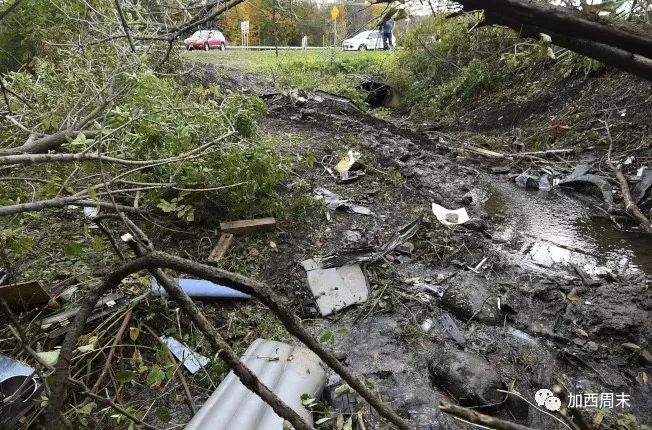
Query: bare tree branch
{"type": "Point", "coordinates": [125, 27]}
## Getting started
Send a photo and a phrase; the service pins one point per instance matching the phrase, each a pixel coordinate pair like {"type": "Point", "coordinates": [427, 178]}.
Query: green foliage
{"type": "Point", "coordinates": [444, 67]}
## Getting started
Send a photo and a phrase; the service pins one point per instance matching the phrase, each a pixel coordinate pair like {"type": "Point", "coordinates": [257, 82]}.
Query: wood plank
{"type": "Point", "coordinates": [220, 249]}
{"type": "Point", "coordinates": [248, 225]}
{"type": "Point", "coordinates": [24, 293]}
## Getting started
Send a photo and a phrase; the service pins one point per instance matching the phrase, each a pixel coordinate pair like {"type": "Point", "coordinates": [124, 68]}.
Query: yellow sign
{"type": "Point", "coordinates": [334, 13]}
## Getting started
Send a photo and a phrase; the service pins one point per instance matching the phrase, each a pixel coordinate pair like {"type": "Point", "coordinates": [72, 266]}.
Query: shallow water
{"type": "Point", "coordinates": [555, 227]}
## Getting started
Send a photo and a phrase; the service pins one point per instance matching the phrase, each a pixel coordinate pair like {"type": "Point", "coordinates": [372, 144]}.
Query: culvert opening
{"type": "Point", "coordinates": [379, 94]}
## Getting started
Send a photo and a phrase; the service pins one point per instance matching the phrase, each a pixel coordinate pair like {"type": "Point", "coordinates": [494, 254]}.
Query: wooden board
{"type": "Point", "coordinates": [220, 249]}
{"type": "Point", "coordinates": [248, 225]}
{"type": "Point", "coordinates": [24, 293]}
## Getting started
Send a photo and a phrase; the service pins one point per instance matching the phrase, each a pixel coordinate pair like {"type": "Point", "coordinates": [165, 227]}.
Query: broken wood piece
{"type": "Point", "coordinates": [220, 249]}
{"type": "Point", "coordinates": [248, 225]}
{"type": "Point", "coordinates": [24, 293]}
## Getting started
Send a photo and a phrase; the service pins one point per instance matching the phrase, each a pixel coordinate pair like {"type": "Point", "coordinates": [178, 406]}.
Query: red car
{"type": "Point", "coordinates": [206, 39]}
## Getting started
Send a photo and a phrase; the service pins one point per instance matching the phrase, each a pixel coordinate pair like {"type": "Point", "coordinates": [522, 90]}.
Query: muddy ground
{"type": "Point", "coordinates": [525, 323]}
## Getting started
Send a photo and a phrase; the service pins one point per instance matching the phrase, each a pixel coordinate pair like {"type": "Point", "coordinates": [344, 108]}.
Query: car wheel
{"type": "Point", "coordinates": [222, 46]}
{"type": "Point", "coordinates": [362, 48]}
{"type": "Point", "coordinates": [206, 47]}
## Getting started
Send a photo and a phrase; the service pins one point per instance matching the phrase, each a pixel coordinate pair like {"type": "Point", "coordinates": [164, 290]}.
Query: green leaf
{"type": "Point", "coordinates": [343, 389]}
{"type": "Point", "coordinates": [87, 409]}
{"type": "Point", "coordinates": [322, 420]}
{"type": "Point", "coordinates": [155, 376]}
{"type": "Point", "coordinates": [134, 332]}
{"type": "Point", "coordinates": [73, 249]}
{"type": "Point", "coordinates": [125, 376]}
{"type": "Point", "coordinates": [92, 193]}
{"type": "Point", "coordinates": [327, 336]}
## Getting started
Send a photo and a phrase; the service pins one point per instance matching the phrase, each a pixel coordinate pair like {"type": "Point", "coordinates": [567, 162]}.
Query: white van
{"type": "Point", "coordinates": [372, 39]}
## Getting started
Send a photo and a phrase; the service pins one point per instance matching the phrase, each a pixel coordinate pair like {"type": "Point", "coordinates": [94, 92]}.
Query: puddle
{"type": "Point", "coordinates": [552, 228]}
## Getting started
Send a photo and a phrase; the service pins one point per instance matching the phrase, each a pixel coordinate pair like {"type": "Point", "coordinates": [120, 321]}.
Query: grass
{"type": "Point", "coordinates": [330, 69]}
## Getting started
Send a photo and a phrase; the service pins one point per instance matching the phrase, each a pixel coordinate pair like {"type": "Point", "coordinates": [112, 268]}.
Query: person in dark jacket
{"type": "Point", "coordinates": [387, 28]}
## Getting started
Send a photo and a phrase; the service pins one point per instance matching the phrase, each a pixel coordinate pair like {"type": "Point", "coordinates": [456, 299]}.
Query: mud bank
{"type": "Point", "coordinates": [534, 325]}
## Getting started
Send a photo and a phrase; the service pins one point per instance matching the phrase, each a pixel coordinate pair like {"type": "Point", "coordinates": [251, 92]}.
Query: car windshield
{"type": "Point", "coordinates": [201, 33]}
{"type": "Point", "coordinates": [373, 34]}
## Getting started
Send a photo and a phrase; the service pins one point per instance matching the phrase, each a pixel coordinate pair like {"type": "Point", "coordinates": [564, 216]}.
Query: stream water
{"type": "Point", "coordinates": [552, 228]}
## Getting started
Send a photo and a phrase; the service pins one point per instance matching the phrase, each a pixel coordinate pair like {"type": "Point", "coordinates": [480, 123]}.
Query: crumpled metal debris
{"type": "Point", "coordinates": [335, 202]}
{"type": "Point", "coordinates": [370, 255]}
{"type": "Point", "coordinates": [189, 358]}
{"type": "Point", "coordinates": [19, 388]}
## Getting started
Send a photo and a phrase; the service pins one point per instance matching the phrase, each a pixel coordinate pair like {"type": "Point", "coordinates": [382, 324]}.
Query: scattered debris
{"type": "Point", "coordinates": [468, 378]}
{"type": "Point", "coordinates": [336, 288]}
{"type": "Point", "coordinates": [220, 249]}
{"type": "Point", "coordinates": [451, 328]}
{"type": "Point", "coordinates": [645, 175]}
{"type": "Point", "coordinates": [57, 324]}
{"type": "Point", "coordinates": [286, 370]}
{"type": "Point", "coordinates": [335, 202]}
{"type": "Point", "coordinates": [90, 212]}
{"type": "Point", "coordinates": [19, 391]}
{"type": "Point", "coordinates": [348, 176]}
{"type": "Point", "coordinates": [248, 225]}
{"type": "Point", "coordinates": [349, 162]}
{"type": "Point", "coordinates": [450, 217]}
{"type": "Point", "coordinates": [526, 180]}
{"type": "Point", "coordinates": [200, 289]}
{"type": "Point", "coordinates": [427, 325]}
{"type": "Point", "coordinates": [24, 293]}
{"type": "Point", "coordinates": [586, 278]}
{"type": "Point", "coordinates": [189, 358]}
{"type": "Point", "coordinates": [603, 186]}
{"type": "Point", "coordinates": [368, 254]}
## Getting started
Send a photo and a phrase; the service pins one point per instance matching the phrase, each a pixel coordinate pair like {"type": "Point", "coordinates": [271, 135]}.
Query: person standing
{"type": "Point", "coordinates": [387, 28]}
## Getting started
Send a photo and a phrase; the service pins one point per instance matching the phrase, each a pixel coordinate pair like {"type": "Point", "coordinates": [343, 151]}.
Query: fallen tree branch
{"type": "Point", "coordinates": [60, 202]}
{"type": "Point", "coordinates": [47, 143]}
{"type": "Point", "coordinates": [125, 27]}
{"type": "Point", "coordinates": [619, 44]}
{"type": "Point", "coordinates": [28, 158]}
{"type": "Point", "coordinates": [478, 418]}
{"type": "Point", "coordinates": [109, 358]}
{"type": "Point", "coordinates": [9, 8]}
{"type": "Point", "coordinates": [630, 205]}
{"type": "Point", "coordinates": [156, 260]}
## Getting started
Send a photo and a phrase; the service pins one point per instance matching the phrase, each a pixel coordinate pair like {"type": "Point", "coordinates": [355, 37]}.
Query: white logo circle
{"type": "Point", "coordinates": [553, 403]}
{"type": "Point", "coordinates": [541, 396]}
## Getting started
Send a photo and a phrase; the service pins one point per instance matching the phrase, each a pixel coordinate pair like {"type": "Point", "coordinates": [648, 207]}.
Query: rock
{"type": "Point", "coordinates": [470, 379]}
{"type": "Point", "coordinates": [470, 299]}
{"type": "Point", "coordinates": [612, 312]}
{"type": "Point", "coordinates": [475, 224]}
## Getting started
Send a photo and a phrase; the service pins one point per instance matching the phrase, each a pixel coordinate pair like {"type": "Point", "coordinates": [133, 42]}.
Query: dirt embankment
{"type": "Point", "coordinates": [537, 327]}
{"type": "Point", "coordinates": [464, 311]}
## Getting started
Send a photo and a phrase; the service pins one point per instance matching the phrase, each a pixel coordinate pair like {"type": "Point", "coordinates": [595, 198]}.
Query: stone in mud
{"type": "Point", "coordinates": [614, 310]}
{"type": "Point", "coordinates": [469, 299]}
{"type": "Point", "coordinates": [476, 224]}
{"type": "Point", "coordinates": [468, 378]}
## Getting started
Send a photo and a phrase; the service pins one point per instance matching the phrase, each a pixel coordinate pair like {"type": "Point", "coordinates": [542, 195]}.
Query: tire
{"type": "Point", "coordinates": [189, 48]}
{"type": "Point", "coordinates": [206, 48]}
{"type": "Point", "coordinates": [362, 48]}
{"type": "Point", "coordinates": [222, 46]}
